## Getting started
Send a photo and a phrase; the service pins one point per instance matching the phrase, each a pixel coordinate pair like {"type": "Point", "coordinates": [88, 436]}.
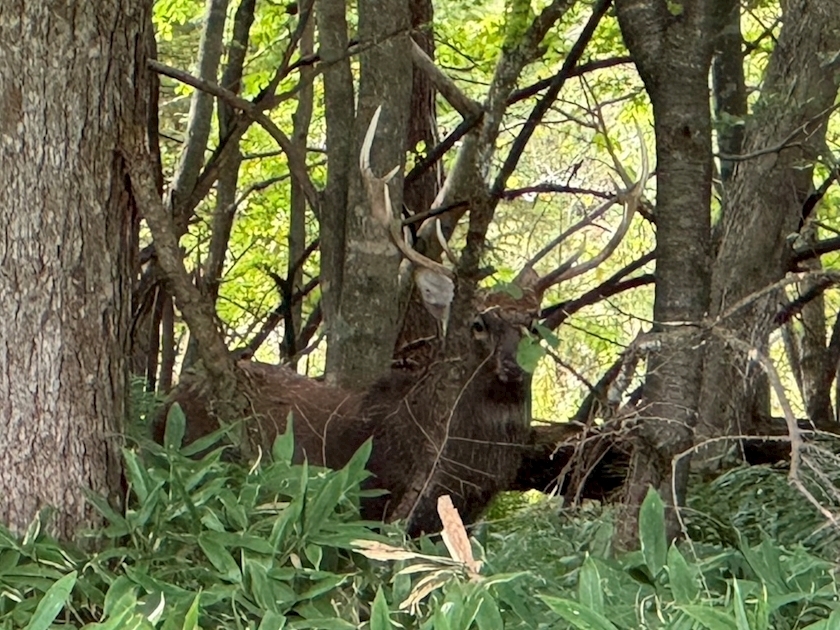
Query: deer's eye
{"type": "Point", "coordinates": [479, 328]}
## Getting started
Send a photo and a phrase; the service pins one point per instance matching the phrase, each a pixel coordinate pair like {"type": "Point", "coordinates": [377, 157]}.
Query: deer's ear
{"type": "Point", "coordinates": [437, 291]}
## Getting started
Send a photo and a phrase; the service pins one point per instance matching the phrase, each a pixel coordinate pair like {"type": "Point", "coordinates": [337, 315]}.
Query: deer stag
{"type": "Point", "coordinates": [454, 427]}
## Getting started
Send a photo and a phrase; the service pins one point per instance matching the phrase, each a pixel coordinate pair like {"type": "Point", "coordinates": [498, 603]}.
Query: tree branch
{"type": "Point", "coordinates": [297, 165]}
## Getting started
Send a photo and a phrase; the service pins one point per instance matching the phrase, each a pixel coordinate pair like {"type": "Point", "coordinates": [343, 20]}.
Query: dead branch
{"type": "Point", "coordinates": [464, 105]}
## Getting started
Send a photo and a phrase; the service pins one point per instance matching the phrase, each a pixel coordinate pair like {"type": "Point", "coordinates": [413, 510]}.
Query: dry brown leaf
{"type": "Point", "coordinates": [419, 568]}
{"type": "Point", "coordinates": [455, 535]}
{"type": "Point", "coordinates": [381, 551]}
{"type": "Point", "coordinates": [423, 588]}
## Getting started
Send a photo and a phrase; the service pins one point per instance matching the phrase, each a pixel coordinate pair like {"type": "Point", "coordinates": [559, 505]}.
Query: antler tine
{"type": "Point", "coordinates": [380, 200]}
{"type": "Point", "coordinates": [632, 198]}
{"type": "Point", "coordinates": [443, 244]}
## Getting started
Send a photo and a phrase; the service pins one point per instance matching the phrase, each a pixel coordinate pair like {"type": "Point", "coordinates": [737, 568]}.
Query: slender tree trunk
{"type": "Point", "coordinates": [422, 123]}
{"type": "Point", "coordinates": [297, 219]}
{"type": "Point", "coordinates": [364, 327]}
{"type": "Point", "coordinates": [229, 172]}
{"type": "Point", "coordinates": [339, 115]}
{"type": "Point", "coordinates": [144, 329]}
{"type": "Point", "coordinates": [198, 133]}
{"type": "Point", "coordinates": [729, 86]}
{"type": "Point", "coordinates": [73, 87]}
{"type": "Point", "coordinates": [813, 353]}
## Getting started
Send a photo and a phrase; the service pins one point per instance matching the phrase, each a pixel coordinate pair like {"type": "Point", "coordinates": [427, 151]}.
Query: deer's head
{"type": "Point", "coordinates": [499, 320]}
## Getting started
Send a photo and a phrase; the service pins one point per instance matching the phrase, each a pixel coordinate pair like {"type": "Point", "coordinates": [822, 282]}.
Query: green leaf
{"type": "Point", "coordinates": [117, 594]}
{"type": "Point", "coordinates": [234, 510]}
{"type": "Point", "coordinates": [147, 507]}
{"type": "Point", "coordinates": [118, 525]}
{"type": "Point", "coordinates": [441, 622]}
{"type": "Point", "coordinates": [314, 553]}
{"type": "Point", "coordinates": [323, 586]}
{"type": "Point", "coordinates": [577, 614]}
{"type": "Point", "coordinates": [52, 602]}
{"type": "Point", "coordinates": [738, 604]}
{"type": "Point", "coordinates": [548, 335]}
{"type": "Point", "coordinates": [136, 475]}
{"type": "Point", "coordinates": [220, 558]}
{"type": "Point", "coordinates": [323, 623]}
{"type": "Point", "coordinates": [762, 611]}
{"type": "Point", "coordinates": [765, 562]}
{"type": "Point", "coordinates": [324, 501]}
{"type": "Point", "coordinates": [652, 532]}
{"type": "Point", "coordinates": [272, 621]}
{"type": "Point", "coordinates": [684, 586]}
{"type": "Point", "coordinates": [151, 607]}
{"type": "Point", "coordinates": [528, 353]}
{"type": "Point", "coordinates": [191, 618]}
{"type": "Point", "coordinates": [355, 468]}
{"type": "Point", "coordinates": [380, 618]}
{"type": "Point", "coordinates": [283, 449]}
{"type": "Point", "coordinates": [710, 617]}
{"type": "Point", "coordinates": [590, 593]}
{"type": "Point", "coordinates": [488, 616]}
{"type": "Point", "coordinates": [176, 425]}
{"type": "Point", "coordinates": [209, 440]}
{"type": "Point", "coordinates": [8, 559]}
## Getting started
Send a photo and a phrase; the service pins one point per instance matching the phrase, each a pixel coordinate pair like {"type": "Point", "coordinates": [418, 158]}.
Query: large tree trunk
{"type": "Point", "coordinates": [783, 137]}
{"type": "Point", "coordinates": [672, 51]}
{"type": "Point", "coordinates": [73, 86]}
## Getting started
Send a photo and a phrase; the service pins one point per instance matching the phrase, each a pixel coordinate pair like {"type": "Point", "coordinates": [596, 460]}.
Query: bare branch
{"type": "Point", "coordinates": [297, 165]}
{"type": "Point", "coordinates": [197, 310]}
{"type": "Point", "coordinates": [542, 106]}
{"type": "Point", "coordinates": [464, 105]}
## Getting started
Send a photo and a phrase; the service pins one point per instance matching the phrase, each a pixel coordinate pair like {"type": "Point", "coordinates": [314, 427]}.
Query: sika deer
{"type": "Point", "coordinates": [454, 427]}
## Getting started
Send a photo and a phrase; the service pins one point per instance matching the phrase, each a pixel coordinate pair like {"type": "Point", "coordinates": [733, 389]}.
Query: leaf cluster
{"type": "Point", "coordinates": [208, 543]}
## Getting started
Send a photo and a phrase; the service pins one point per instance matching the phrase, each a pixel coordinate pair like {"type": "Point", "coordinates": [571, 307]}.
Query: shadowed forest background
{"type": "Point", "coordinates": [645, 191]}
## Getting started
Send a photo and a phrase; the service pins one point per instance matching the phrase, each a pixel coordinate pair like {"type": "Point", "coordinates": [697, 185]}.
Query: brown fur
{"type": "Point", "coordinates": [453, 428]}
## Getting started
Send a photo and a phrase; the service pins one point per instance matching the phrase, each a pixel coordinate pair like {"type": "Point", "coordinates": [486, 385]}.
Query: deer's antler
{"type": "Point", "coordinates": [433, 279]}
{"type": "Point", "coordinates": [631, 198]}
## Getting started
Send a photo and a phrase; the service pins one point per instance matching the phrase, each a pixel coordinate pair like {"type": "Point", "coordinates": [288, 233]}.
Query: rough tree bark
{"type": "Point", "coordinates": [364, 324]}
{"type": "Point", "coordinates": [339, 115]}
{"type": "Point", "coordinates": [814, 359]}
{"type": "Point", "coordinates": [73, 87]}
{"type": "Point", "coordinates": [729, 86]}
{"type": "Point", "coordinates": [422, 122]}
{"type": "Point", "coordinates": [671, 44]}
{"type": "Point", "coordinates": [784, 135]}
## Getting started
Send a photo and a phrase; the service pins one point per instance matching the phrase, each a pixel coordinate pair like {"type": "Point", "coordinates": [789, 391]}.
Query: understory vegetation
{"type": "Point", "coordinates": [209, 544]}
{"type": "Point", "coordinates": [546, 250]}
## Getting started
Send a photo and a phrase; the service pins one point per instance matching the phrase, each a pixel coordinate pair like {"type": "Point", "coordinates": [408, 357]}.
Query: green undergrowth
{"type": "Point", "coordinates": [209, 544]}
